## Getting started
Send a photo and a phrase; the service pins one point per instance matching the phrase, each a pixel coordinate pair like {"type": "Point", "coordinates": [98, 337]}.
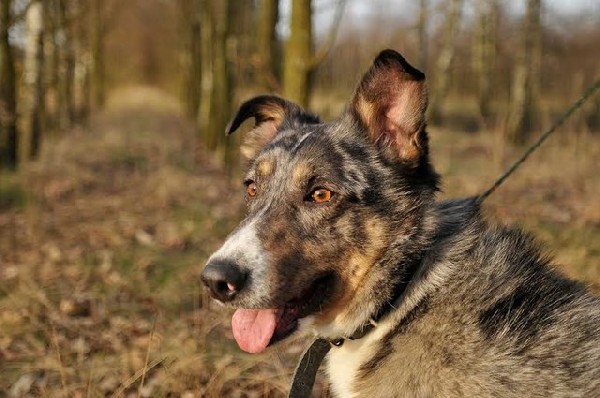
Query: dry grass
{"type": "Point", "coordinates": [101, 242]}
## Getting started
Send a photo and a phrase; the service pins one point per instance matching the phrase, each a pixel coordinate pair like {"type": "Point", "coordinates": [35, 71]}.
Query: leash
{"type": "Point", "coordinates": [306, 371]}
{"type": "Point", "coordinates": [586, 94]}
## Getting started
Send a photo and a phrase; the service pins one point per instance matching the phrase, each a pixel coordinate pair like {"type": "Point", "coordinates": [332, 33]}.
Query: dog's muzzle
{"type": "Point", "coordinates": [223, 279]}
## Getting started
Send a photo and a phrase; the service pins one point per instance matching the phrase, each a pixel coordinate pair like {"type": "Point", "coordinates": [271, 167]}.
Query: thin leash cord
{"type": "Point", "coordinates": [587, 94]}
{"type": "Point", "coordinates": [306, 371]}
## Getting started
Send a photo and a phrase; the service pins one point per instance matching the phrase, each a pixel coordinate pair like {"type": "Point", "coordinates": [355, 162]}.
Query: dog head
{"type": "Point", "coordinates": [335, 210]}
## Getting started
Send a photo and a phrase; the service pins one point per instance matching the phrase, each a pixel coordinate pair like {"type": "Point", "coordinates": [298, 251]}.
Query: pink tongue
{"type": "Point", "coordinates": [253, 329]}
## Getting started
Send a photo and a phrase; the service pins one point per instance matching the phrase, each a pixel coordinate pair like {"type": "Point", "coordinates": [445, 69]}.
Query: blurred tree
{"type": "Point", "coordinates": [67, 111]}
{"type": "Point", "coordinates": [243, 71]}
{"type": "Point", "coordinates": [221, 93]}
{"type": "Point", "coordinates": [422, 27]}
{"type": "Point", "coordinates": [102, 14]}
{"type": "Point", "coordinates": [442, 68]}
{"type": "Point", "coordinates": [484, 54]}
{"type": "Point", "coordinates": [98, 44]}
{"type": "Point", "coordinates": [8, 94]}
{"type": "Point", "coordinates": [300, 61]}
{"type": "Point", "coordinates": [82, 49]}
{"type": "Point", "coordinates": [524, 95]}
{"type": "Point", "coordinates": [298, 52]}
{"type": "Point", "coordinates": [52, 62]}
{"type": "Point", "coordinates": [60, 63]}
{"type": "Point", "coordinates": [191, 16]}
{"type": "Point", "coordinates": [33, 87]}
{"type": "Point", "coordinates": [206, 83]}
{"type": "Point", "coordinates": [215, 102]}
{"type": "Point", "coordinates": [267, 57]}
{"type": "Point", "coordinates": [241, 43]}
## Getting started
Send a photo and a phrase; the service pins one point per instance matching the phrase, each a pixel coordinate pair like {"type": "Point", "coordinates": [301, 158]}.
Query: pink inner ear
{"type": "Point", "coordinates": [391, 101]}
{"type": "Point", "coordinates": [259, 137]}
{"type": "Point", "coordinates": [393, 118]}
{"type": "Point", "coordinates": [390, 125]}
{"type": "Point", "coordinates": [268, 130]}
{"type": "Point", "coordinates": [407, 111]}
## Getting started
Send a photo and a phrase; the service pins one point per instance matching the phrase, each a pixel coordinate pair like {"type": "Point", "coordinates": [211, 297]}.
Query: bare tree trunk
{"type": "Point", "coordinates": [524, 95]}
{"type": "Point", "coordinates": [441, 82]}
{"type": "Point", "coordinates": [206, 57]}
{"type": "Point", "coordinates": [535, 79]}
{"type": "Point", "coordinates": [83, 60]}
{"type": "Point", "coordinates": [8, 94]}
{"type": "Point", "coordinates": [98, 65]}
{"type": "Point", "coordinates": [221, 71]}
{"type": "Point", "coordinates": [215, 102]}
{"type": "Point", "coordinates": [68, 79]}
{"type": "Point", "coordinates": [422, 31]}
{"type": "Point", "coordinates": [298, 52]}
{"type": "Point", "coordinates": [484, 55]}
{"type": "Point", "coordinates": [52, 78]}
{"type": "Point", "coordinates": [241, 60]}
{"type": "Point", "coordinates": [33, 89]}
{"type": "Point", "coordinates": [192, 81]}
{"type": "Point", "coordinates": [196, 66]}
{"type": "Point", "coordinates": [241, 42]}
{"type": "Point", "coordinates": [300, 60]}
{"type": "Point", "coordinates": [266, 45]}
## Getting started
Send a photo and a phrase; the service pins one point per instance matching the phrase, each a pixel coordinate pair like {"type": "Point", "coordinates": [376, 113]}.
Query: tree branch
{"type": "Point", "coordinates": [328, 44]}
{"type": "Point", "coordinates": [20, 16]}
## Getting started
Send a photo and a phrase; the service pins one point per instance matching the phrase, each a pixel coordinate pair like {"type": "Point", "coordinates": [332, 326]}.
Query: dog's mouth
{"type": "Point", "coordinates": [254, 330]}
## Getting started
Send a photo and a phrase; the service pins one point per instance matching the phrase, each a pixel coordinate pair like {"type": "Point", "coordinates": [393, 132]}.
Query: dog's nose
{"type": "Point", "coordinates": [224, 279]}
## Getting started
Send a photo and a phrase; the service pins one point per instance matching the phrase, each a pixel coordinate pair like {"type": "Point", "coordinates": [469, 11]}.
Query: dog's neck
{"type": "Point", "coordinates": [384, 309]}
{"type": "Point", "coordinates": [420, 273]}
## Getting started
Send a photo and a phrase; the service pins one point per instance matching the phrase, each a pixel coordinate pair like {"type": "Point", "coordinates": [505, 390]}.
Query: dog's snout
{"type": "Point", "coordinates": [224, 279]}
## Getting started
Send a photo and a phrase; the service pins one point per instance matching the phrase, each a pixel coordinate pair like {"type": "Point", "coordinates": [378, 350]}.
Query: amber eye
{"type": "Point", "coordinates": [251, 189]}
{"type": "Point", "coordinates": [321, 195]}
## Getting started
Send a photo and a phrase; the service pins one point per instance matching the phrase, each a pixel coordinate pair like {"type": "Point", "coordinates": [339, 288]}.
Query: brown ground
{"type": "Point", "coordinates": [101, 242]}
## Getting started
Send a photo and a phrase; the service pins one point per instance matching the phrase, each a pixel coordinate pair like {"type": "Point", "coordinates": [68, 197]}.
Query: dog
{"type": "Point", "coordinates": [344, 240]}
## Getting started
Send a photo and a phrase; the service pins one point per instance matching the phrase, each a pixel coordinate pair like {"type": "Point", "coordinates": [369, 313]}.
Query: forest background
{"type": "Point", "coordinates": [117, 181]}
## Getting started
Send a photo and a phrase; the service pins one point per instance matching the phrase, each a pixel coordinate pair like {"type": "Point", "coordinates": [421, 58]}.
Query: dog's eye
{"type": "Point", "coordinates": [321, 195]}
{"type": "Point", "coordinates": [251, 189]}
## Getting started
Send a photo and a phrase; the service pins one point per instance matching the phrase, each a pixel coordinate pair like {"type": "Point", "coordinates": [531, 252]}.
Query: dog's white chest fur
{"type": "Point", "coordinates": [344, 362]}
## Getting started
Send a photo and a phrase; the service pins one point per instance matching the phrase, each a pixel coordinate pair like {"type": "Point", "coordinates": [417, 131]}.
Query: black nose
{"type": "Point", "coordinates": [224, 279]}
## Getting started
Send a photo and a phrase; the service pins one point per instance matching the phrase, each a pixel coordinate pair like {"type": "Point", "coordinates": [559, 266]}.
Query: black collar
{"type": "Point", "coordinates": [359, 334]}
{"type": "Point", "coordinates": [387, 307]}
{"type": "Point", "coordinates": [306, 371]}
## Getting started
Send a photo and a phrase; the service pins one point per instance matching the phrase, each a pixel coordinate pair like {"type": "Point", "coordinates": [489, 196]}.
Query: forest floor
{"type": "Point", "coordinates": [102, 240]}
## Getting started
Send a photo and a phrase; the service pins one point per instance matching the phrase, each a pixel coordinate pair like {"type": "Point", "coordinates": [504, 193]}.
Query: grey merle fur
{"type": "Point", "coordinates": [463, 308]}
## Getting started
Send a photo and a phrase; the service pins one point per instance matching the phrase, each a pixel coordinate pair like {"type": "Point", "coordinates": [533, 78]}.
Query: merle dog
{"type": "Point", "coordinates": [344, 240]}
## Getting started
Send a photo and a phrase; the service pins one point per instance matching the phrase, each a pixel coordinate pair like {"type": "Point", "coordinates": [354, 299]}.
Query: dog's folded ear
{"type": "Point", "coordinates": [271, 115]}
{"type": "Point", "coordinates": [390, 102]}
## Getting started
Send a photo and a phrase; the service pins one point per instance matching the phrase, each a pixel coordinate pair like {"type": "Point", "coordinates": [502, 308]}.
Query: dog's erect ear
{"type": "Point", "coordinates": [271, 114]}
{"type": "Point", "coordinates": [390, 102]}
